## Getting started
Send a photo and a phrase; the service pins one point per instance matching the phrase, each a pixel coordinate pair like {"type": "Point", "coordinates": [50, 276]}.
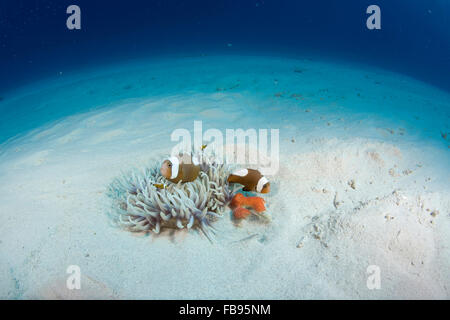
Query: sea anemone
{"type": "Point", "coordinates": [237, 200]}
{"type": "Point", "coordinates": [244, 206]}
{"type": "Point", "coordinates": [146, 201]}
{"type": "Point", "coordinates": [256, 203]}
{"type": "Point", "coordinates": [241, 213]}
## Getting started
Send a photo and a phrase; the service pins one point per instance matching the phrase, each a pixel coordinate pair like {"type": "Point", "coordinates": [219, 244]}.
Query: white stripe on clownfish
{"type": "Point", "coordinates": [175, 166]}
{"type": "Point", "coordinates": [261, 184]}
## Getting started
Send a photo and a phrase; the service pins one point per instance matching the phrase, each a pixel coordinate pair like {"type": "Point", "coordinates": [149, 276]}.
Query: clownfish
{"type": "Point", "coordinates": [251, 179]}
{"type": "Point", "coordinates": [182, 168]}
{"type": "Point", "coordinates": [159, 185]}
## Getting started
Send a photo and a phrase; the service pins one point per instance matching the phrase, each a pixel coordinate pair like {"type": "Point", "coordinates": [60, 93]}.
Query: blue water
{"type": "Point", "coordinates": [34, 40]}
{"type": "Point", "coordinates": [35, 44]}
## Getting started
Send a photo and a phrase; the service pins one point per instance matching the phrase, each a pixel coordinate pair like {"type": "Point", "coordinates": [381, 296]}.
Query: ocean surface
{"type": "Point", "coordinates": [364, 126]}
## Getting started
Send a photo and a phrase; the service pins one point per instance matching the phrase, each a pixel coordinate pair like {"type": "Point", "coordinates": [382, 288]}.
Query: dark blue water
{"type": "Point", "coordinates": [35, 43]}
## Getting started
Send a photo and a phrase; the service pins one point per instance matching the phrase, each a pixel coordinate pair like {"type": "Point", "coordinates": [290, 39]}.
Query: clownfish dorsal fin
{"type": "Point", "coordinates": [241, 172]}
{"type": "Point", "coordinates": [195, 160]}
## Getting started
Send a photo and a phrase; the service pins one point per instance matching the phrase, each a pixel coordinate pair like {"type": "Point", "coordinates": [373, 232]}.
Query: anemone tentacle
{"type": "Point", "coordinates": [139, 205]}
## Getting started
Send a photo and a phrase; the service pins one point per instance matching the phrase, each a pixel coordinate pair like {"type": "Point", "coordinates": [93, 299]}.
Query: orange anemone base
{"type": "Point", "coordinates": [241, 213]}
{"type": "Point", "coordinates": [240, 205]}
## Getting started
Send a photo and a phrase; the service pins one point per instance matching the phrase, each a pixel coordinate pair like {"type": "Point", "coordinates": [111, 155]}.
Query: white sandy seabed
{"type": "Point", "coordinates": [363, 180]}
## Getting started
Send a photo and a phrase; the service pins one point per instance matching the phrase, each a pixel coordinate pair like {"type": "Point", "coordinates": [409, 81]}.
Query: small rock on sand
{"type": "Point", "coordinates": [434, 213]}
{"type": "Point", "coordinates": [352, 184]}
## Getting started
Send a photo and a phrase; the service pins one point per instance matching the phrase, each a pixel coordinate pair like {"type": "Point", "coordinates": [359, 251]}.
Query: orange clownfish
{"type": "Point", "coordinates": [251, 179]}
{"type": "Point", "coordinates": [182, 168]}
